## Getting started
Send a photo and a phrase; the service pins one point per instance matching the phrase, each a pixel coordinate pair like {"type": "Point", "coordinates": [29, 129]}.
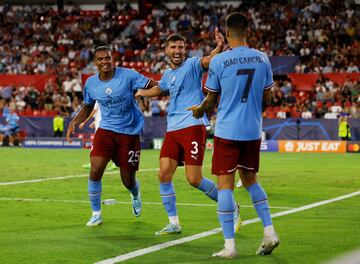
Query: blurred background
{"type": "Point", "coordinates": [46, 52]}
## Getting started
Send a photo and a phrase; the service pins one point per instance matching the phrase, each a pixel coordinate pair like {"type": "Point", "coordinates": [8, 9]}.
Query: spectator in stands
{"type": "Point", "coordinates": [67, 86]}
{"type": "Point", "coordinates": [32, 97]}
{"type": "Point", "coordinates": [48, 101]}
{"type": "Point", "coordinates": [352, 67]}
{"type": "Point", "coordinates": [354, 111]}
{"type": "Point", "coordinates": [291, 99]}
{"type": "Point", "coordinates": [286, 87]}
{"type": "Point", "coordinates": [282, 113]}
{"type": "Point", "coordinates": [306, 114]}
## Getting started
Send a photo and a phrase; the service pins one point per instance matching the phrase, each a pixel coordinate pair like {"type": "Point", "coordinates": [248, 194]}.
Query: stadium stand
{"type": "Point", "coordinates": [322, 35]}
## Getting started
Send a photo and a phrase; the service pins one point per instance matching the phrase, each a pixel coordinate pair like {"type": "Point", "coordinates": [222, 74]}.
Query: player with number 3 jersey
{"type": "Point", "coordinates": [186, 136]}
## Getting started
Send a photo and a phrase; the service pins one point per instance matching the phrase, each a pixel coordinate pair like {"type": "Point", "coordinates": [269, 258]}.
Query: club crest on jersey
{"type": "Point", "coordinates": [108, 90]}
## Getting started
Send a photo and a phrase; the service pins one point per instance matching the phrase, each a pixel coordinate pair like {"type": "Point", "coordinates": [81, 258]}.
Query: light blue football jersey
{"type": "Point", "coordinates": [12, 120]}
{"type": "Point", "coordinates": [120, 112]}
{"type": "Point", "coordinates": [240, 76]}
{"type": "Point", "coordinates": [185, 87]}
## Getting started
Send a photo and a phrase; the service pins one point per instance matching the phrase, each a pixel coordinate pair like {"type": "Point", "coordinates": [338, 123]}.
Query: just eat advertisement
{"type": "Point", "coordinates": [312, 146]}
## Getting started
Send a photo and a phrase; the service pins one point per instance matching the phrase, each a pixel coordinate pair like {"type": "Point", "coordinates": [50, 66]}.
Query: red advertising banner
{"type": "Point", "coordinates": [305, 81]}
{"type": "Point", "coordinates": [36, 80]}
{"type": "Point", "coordinates": [312, 146]}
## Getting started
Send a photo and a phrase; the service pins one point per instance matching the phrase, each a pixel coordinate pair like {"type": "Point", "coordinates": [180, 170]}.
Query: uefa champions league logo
{"type": "Point", "coordinates": [108, 90]}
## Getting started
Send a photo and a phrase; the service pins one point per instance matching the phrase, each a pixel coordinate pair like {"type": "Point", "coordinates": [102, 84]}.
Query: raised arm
{"type": "Point", "coordinates": [84, 113]}
{"type": "Point", "coordinates": [219, 39]}
{"type": "Point", "coordinates": [207, 104]}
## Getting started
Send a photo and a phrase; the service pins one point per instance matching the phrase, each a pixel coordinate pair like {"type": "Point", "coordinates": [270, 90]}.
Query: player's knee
{"type": "Point", "coordinates": [165, 176]}
{"type": "Point", "coordinates": [247, 177]}
{"type": "Point", "coordinates": [96, 172]}
{"type": "Point", "coordinates": [194, 181]}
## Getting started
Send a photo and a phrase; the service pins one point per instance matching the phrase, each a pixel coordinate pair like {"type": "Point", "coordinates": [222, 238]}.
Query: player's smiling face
{"type": "Point", "coordinates": [103, 61]}
{"type": "Point", "coordinates": [175, 50]}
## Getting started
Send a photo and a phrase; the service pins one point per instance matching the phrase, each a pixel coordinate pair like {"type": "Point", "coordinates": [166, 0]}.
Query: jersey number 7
{"type": "Point", "coordinates": [250, 75]}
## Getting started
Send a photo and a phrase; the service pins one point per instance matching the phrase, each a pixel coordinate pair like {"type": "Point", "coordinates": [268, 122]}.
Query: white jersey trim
{"type": "Point", "coordinates": [147, 83]}
{"type": "Point", "coordinates": [211, 90]}
{"type": "Point", "coordinates": [269, 86]}
{"type": "Point", "coordinates": [241, 166]}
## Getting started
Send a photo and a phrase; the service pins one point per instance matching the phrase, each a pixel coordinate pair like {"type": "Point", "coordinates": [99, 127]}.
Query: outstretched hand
{"type": "Point", "coordinates": [219, 38]}
{"type": "Point", "coordinates": [197, 111]}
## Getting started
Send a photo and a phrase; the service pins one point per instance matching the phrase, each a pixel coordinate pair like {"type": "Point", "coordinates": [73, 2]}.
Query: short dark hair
{"type": "Point", "coordinates": [175, 37]}
{"type": "Point", "coordinates": [101, 48]}
{"type": "Point", "coordinates": [237, 23]}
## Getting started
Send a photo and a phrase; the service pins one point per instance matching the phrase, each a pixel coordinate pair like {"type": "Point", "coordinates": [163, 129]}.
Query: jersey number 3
{"type": "Point", "coordinates": [250, 75]}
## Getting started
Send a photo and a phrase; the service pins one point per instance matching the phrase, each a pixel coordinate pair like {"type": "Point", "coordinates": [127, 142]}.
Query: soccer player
{"type": "Point", "coordinates": [11, 129]}
{"type": "Point", "coordinates": [186, 136]}
{"type": "Point", "coordinates": [117, 138]}
{"type": "Point", "coordinates": [243, 78]}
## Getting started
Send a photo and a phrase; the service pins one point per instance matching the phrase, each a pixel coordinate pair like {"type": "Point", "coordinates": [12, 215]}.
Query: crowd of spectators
{"type": "Point", "coordinates": [39, 40]}
{"type": "Point", "coordinates": [327, 99]}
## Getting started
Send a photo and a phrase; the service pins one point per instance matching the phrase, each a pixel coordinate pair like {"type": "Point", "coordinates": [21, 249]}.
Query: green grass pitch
{"type": "Point", "coordinates": [50, 227]}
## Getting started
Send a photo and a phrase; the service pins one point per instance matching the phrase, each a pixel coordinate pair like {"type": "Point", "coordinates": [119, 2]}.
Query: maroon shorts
{"type": "Point", "coordinates": [230, 155]}
{"type": "Point", "coordinates": [187, 144]}
{"type": "Point", "coordinates": [122, 149]}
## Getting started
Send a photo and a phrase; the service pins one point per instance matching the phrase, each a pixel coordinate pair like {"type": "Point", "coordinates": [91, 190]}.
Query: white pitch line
{"type": "Point", "coordinates": [161, 246]}
{"type": "Point", "coordinates": [349, 258]}
{"type": "Point", "coordinates": [121, 202]}
{"type": "Point", "coordinates": [66, 177]}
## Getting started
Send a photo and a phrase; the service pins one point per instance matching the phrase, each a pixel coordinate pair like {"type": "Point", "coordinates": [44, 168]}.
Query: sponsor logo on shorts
{"type": "Point", "coordinates": [194, 157]}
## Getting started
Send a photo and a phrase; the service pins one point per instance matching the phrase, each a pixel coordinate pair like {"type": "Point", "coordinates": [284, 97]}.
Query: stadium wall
{"type": "Point", "coordinates": [155, 127]}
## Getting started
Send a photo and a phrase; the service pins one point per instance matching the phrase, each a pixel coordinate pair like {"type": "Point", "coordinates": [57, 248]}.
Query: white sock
{"type": "Point", "coordinates": [174, 220]}
{"type": "Point", "coordinates": [230, 244]}
{"type": "Point", "coordinates": [96, 213]}
{"type": "Point", "coordinates": [269, 230]}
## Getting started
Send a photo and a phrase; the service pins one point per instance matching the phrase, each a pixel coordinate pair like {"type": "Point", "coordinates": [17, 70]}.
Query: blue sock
{"type": "Point", "coordinates": [135, 190]}
{"type": "Point", "coordinates": [226, 212]}
{"type": "Point", "coordinates": [168, 197]}
{"type": "Point", "coordinates": [209, 188]}
{"type": "Point", "coordinates": [94, 189]}
{"type": "Point", "coordinates": [260, 202]}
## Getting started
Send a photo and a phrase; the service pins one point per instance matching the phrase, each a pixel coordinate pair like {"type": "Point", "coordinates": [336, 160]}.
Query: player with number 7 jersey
{"type": "Point", "coordinates": [239, 75]}
{"type": "Point", "coordinates": [243, 79]}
